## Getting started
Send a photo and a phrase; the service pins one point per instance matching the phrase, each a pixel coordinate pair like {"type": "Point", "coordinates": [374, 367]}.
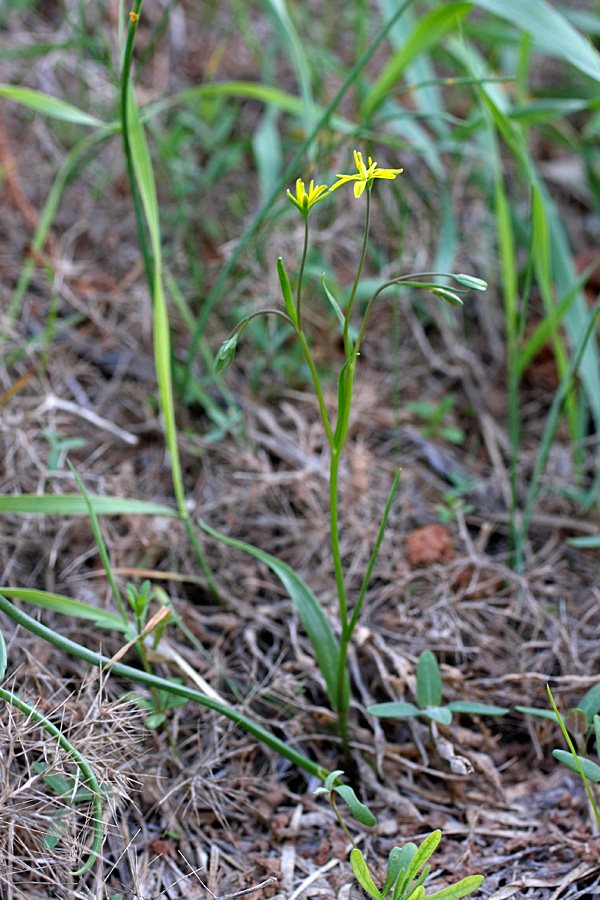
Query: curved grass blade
{"type": "Point", "coordinates": [153, 681]}
{"type": "Point", "coordinates": [316, 624]}
{"type": "Point", "coordinates": [50, 106]}
{"type": "Point", "coordinates": [75, 505]}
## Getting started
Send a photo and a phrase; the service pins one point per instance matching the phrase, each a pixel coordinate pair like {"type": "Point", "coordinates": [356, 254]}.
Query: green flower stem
{"type": "Point", "coordinates": [317, 385]}
{"type": "Point", "coordinates": [301, 275]}
{"type": "Point", "coordinates": [125, 87]}
{"type": "Point", "coordinates": [79, 760]}
{"type": "Point", "coordinates": [347, 346]}
{"type": "Point", "coordinates": [141, 677]}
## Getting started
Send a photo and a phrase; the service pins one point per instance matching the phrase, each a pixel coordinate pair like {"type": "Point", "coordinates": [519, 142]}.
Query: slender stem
{"type": "Point", "coordinates": [317, 385]}
{"type": "Point", "coordinates": [301, 275]}
{"type": "Point", "coordinates": [347, 346]}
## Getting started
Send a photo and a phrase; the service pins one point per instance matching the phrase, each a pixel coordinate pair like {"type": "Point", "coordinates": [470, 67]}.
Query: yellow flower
{"type": "Point", "coordinates": [305, 201]}
{"type": "Point", "coordinates": [365, 176]}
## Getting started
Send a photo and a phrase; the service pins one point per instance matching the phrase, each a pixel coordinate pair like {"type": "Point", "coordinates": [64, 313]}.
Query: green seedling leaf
{"type": "Point", "coordinates": [154, 720]}
{"type": "Point", "coordinates": [590, 703]}
{"type": "Point", "coordinates": [316, 623]}
{"type": "Point", "coordinates": [329, 781]}
{"type": "Point", "coordinates": [363, 876]}
{"type": "Point", "coordinates": [429, 681]}
{"type": "Point", "coordinates": [396, 709]}
{"type": "Point", "coordinates": [590, 769]}
{"type": "Point", "coordinates": [540, 713]}
{"type": "Point", "coordinates": [439, 714]}
{"type": "Point", "coordinates": [226, 352]}
{"type": "Point", "coordinates": [469, 281]}
{"type": "Point", "coordinates": [478, 709]}
{"type": "Point", "coordinates": [334, 303]}
{"type": "Point", "coordinates": [75, 505]}
{"type": "Point", "coordinates": [3, 657]}
{"type": "Point", "coordinates": [360, 812]}
{"type": "Point", "coordinates": [398, 862]}
{"type": "Point", "coordinates": [449, 296]}
{"type": "Point", "coordinates": [460, 889]}
{"type": "Point", "coordinates": [49, 106]}
{"type": "Point", "coordinates": [423, 853]}
{"type": "Point", "coordinates": [589, 542]}
{"type": "Point", "coordinates": [418, 893]}
{"type": "Point", "coordinates": [286, 290]}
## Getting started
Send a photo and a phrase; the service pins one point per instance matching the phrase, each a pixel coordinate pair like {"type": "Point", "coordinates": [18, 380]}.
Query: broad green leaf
{"type": "Point", "coordinates": [399, 860]}
{"type": "Point", "coordinates": [363, 876]}
{"type": "Point", "coordinates": [429, 681]}
{"type": "Point", "coordinates": [479, 709]}
{"type": "Point", "coordinates": [68, 607]}
{"type": "Point", "coordinates": [316, 624]}
{"type": "Point", "coordinates": [360, 812]}
{"type": "Point", "coordinates": [590, 769]}
{"type": "Point", "coordinates": [460, 889]}
{"type": "Point", "coordinates": [590, 702]}
{"type": "Point", "coordinates": [154, 720]}
{"type": "Point", "coordinates": [49, 106]}
{"type": "Point", "coordinates": [329, 781]}
{"type": "Point", "coordinates": [286, 290]}
{"type": "Point", "coordinates": [335, 305]}
{"type": "Point", "coordinates": [439, 714]}
{"type": "Point", "coordinates": [397, 709]}
{"type": "Point", "coordinates": [74, 505]}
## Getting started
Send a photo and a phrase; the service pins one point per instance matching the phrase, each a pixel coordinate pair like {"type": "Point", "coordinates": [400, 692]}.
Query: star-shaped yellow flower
{"type": "Point", "coordinates": [365, 176]}
{"type": "Point", "coordinates": [305, 201]}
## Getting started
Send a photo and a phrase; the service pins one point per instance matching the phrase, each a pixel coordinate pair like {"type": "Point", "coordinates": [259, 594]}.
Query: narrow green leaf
{"type": "Point", "coordinates": [3, 657]}
{"type": "Point", "coordinates": [418, 893]}
{"type": "Point", "coordinates": [329, 781]}
{"type": "Point", "coordinates": [342, 389]}
{"type": "Point", "coordinates": [74, 505]}
{"type": "Point", "coordinates": [286, 290]}
{"type": "Point", "coordinates": [49, 106]}
{"type": "Point", "coordinates": [335, 305]}
{"type": "Point", "coordinates": [591, 770]}
{"type": "Point", "coordinates": [428, 32]}
{"type": "Point", "coordinates": [596, 732]}
{"type": "Point", "coordinates": [395, 710]}
{"type": "Point", "coordinates": [68, 607]}
{"type": "Point", "coordinates": [154, 720]}
{"type": "Point", "coordinates": [479, 709]}
{"type": "Point", "coordinates": [429, 681]}
{"type": "Point", "coordinates": [423, 853]}
{"type": "Point", "coordinates": [316, 624]}
{"type": "Point", "coordinates": [360, 812]}
{"type": "Point", "coordinates": [460, 889]}
{"type": "Point", "coordinates": [363, 876]}
{"type": "Point", "coordinates": [540, 713]}
{"type": "Point", "coordinates": [585, 543]}
{"type": "Point", "coordinates": [544, 23]}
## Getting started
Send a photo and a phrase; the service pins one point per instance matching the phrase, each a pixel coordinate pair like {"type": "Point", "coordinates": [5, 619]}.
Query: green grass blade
{"type": "Point", "coordinates": [153, 681]}
{"type": "Point", "coordinates": [51, 106]}
{"type": "Point", "coordinates": [426, 34]}
{"type": "Point", "coordinates": [316, 624]}
{"type": "Point", "coordinates": [545, 25]}
{"type": "Point", "coordinates": [67, 607]}
{"type": "Point", "coordinates": [75, 505]}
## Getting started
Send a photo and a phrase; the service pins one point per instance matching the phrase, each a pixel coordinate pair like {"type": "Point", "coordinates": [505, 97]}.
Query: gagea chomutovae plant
{"type": "Point", "coordinates": [331, 653]}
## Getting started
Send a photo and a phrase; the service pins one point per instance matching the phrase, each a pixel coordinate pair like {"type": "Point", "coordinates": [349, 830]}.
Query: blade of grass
{"type": "Point", "coordinates": [75, 505]}
{"type": "Point", "coordinates": [154, 681]}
